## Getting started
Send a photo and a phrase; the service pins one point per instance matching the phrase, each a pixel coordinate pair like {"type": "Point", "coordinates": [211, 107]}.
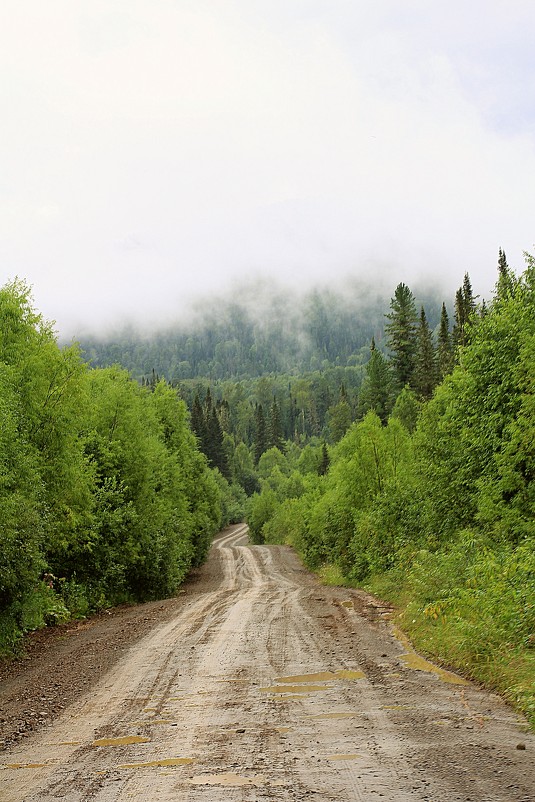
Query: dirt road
{"type": "Point", "coordinates": [264, 685]}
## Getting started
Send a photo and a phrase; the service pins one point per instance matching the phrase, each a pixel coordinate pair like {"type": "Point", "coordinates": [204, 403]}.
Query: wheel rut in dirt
{"type": "Point", "coordinates": [264, 685]}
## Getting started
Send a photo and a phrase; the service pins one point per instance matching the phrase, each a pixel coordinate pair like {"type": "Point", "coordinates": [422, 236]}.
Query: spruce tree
{"type": "Point", "coordinates": [465, 307]}
{"type": "Point", "coordinates": [425, 370]}
{"type": "Point", "coordinates": [376, 391]}
{"type": "Point", "coordinates": [445, 346]}
{"type": "Point", "coordinates": [506, 282]}
{"type": "Point", "coordinates": [198, 423]}
{"type": "Point", "coordinates": [260, 441]}
{"type": "Point", "coordinates": [325, 460]}
{"type": "Point", "coordinates": [274, 429]}
{"type": "Point", "coordinates": [469, 298]}
{"type": "Point", "coordinates": [401, 334]}
{"type": "Point", "coordinates": [216, 452]}
{"type": "Point", "coordinates": [459, 320]}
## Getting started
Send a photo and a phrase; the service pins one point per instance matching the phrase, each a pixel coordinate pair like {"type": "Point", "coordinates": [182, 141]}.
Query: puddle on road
{"type": "Point", "coordinates": [124, 740]}
{"type": "Point", "coordinates": [168, 761]}
{"type": "Point", "coordinates": [349, 674]}
{"type": "Point", "coordinates": [348, 604]}
{"type": "Point", "coordinates": [418, 663]}
{"type": "Point", "coordinates": [25, 765]}
{"type": "Point", "coordinates": [342, 757]}
{"type": "Point", "coordinates": [304, 683]}
{"type": "Point", "coordinates": [323, 676]}
{"type": "Point", "coordinates": [229, 779]}
{"type": "Point", "coordinates": [414, 661]}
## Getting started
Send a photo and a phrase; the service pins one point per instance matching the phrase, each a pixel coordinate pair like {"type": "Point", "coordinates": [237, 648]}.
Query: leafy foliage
{"type": "Point", "coordinates": [437, 504]}
{"type": "Point", "coordinates": [104, 495]}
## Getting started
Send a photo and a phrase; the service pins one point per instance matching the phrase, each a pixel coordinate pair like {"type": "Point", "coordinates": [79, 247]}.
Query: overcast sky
{"type": "Point", "coordinates": [154, 150]}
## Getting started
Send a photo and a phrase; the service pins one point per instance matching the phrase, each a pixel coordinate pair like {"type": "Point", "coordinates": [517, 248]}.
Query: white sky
{"type": "Point", "coordinates": [153, 150]}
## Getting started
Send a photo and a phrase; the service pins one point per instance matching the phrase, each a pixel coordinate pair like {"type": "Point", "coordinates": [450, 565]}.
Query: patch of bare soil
{"type": "Point", "coordinates": [257, 683]}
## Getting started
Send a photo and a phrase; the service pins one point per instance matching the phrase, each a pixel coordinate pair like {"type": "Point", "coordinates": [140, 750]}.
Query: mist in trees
{"type": "Point", "coordinates": [264, 333]}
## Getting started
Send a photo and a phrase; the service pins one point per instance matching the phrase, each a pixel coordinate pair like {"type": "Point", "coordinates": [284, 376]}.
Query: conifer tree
{"type": "Point", "coordinates": [325, 460]}
{"type": "Point", "coordinates": [506, 282]}
{"type": "Point", "coordinates": [216, 452]}
{"type": "Point", "coordinates": [459, 320]}
{"type": "Point", "coordinates": [376, 391]}
{"type": "Point", "coordinates": [197, 422]}
{"type": "Point", "coordinates": [468, 295]}
{"type": "Point", "coordinates": [274, 429]}
{"type": "Point", "coordinates": [465, 307]}
{"type": "Point", "coordinates": [425, 371]}
{"type": "Point", "coordinates": [260, 441]}
{"type": "Point", "coordinates": [401, 334]}
{"type": "Point", "coordinates": [445, 346]}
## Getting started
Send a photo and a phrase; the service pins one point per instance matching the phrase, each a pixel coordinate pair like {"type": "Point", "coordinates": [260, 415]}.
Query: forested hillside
{"type": "Point", "coordinates": [257, 331]}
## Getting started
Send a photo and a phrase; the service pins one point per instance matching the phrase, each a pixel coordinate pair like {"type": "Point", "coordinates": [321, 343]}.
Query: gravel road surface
{"type": "Point", "coordinates": [256, 683]}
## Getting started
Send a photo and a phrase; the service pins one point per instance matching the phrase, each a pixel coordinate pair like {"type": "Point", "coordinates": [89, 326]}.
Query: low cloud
{"type": "Point", "coordinates": [155, 152]}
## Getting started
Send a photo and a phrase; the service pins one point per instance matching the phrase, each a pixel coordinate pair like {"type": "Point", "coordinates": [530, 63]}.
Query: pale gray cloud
{"type": "Point", "coordinates": [152, 151]}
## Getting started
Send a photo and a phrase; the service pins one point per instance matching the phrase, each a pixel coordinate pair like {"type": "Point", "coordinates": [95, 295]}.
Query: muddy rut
{"type": "Point", "coordinates": [266, 685]}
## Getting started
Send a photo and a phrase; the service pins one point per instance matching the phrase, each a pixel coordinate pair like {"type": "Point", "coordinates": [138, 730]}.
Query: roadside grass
{"type": "Point", "coordinates": [463, 638]}
{"type": "Point", "coordinates": [330, 574]}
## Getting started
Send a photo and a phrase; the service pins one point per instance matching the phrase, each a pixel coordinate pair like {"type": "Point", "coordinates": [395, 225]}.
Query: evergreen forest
{"type": "Point", "coordinates": [391, 442]}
